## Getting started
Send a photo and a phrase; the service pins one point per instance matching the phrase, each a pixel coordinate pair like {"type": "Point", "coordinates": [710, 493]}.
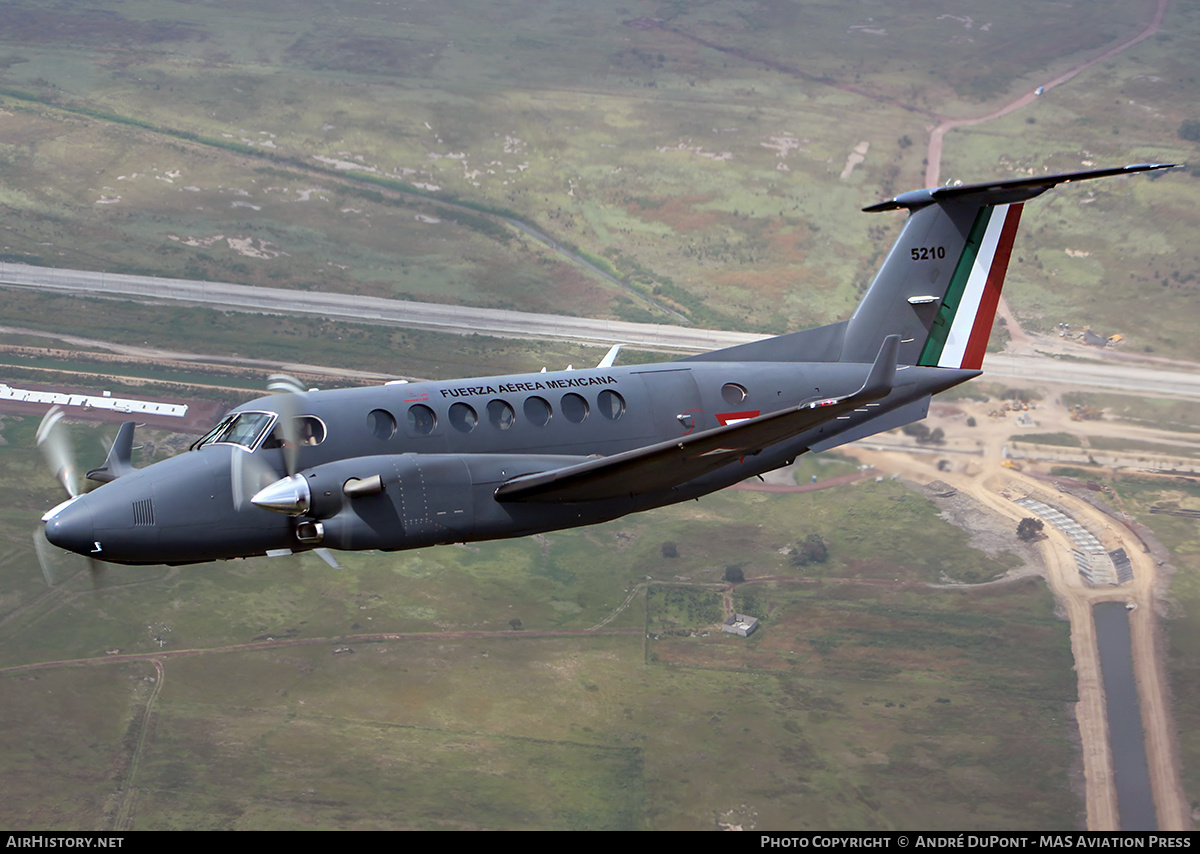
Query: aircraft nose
{"type": "Point", "coordinates": [70, 526]}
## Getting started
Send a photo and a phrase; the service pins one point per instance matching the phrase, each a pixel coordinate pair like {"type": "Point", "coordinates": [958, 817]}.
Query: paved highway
{"type": "Point", "coordinates": [1141, 380]}
{"type": "Point", "coordinates": [1109, 375]}
{"type": "Point", "coordinates": [448, 318]}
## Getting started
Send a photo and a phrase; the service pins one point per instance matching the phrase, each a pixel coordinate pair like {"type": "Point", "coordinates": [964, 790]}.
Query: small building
{"type": "Point", "coordinates": [741, 625]}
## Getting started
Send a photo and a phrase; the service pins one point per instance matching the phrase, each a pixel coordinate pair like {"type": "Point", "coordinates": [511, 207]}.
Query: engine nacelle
{"type": "Point", "coordinates": [404, 501]}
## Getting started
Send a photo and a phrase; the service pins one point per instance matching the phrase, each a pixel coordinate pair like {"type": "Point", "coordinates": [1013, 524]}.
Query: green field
{"type": "Point", "coordinates": [295, 695]}
{"type": "Point", "coordinates": [956, 672]}
{"type": "Point", "coordinates": [409, 353]}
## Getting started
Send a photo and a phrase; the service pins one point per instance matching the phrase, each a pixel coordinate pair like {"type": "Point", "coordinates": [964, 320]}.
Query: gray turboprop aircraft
{"type": "Point", "coordinates": [409, 465]}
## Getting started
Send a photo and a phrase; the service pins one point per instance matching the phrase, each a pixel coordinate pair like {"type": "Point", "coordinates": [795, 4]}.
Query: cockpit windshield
{"type": "Point", "coordinates": [239, 428]}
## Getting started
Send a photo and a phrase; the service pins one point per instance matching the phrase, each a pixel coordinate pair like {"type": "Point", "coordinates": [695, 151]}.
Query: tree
{"type": "Point", "coordinates": [923, 435]}
{"type": "Point", "coordinates": [515, 624]}
{"type": "Point", "coordinates": [1029, 528]}
{"type": "Point", "coordinates": [1190, 130]}
{"type": "Point", "coordinates": [669, 550]}
{"type": "Point", "coordinates": [734, 574]}
{"type": "Point", "coordinates": [812, 550]}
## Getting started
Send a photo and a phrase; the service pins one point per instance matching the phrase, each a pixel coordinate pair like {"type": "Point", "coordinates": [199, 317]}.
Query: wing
{"type": "Point", "coordinates": [676, 461]}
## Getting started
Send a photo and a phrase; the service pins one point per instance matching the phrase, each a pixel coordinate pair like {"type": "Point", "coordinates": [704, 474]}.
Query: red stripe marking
{"type": "Point", "coordinates": [725, 417]}
{"type": "Point", "coordinates": [982, 328]}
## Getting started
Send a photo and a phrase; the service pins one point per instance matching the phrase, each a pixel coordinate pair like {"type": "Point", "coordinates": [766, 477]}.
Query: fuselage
{"type": "Point", "coordinates": [441, 449]}
{"type": "Point", "coordinates": [583, 412]}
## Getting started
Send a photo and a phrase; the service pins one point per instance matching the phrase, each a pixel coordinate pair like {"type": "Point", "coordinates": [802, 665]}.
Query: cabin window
{"type": "Point", "coordinates": [537, 410]}
{"type": "Point", "coordinates": [501, 414]}
{"type": "Point", "coordinates": [381, 423]}
{"type": "Point", "coordinates": [734, 393]}
{"type": "Point", "coordinates": [574, 408]}
{"type": "Point", "coordinates": [312, 430]}
{"type": "Point", "coordinates": [610, 404]}
{"type": "Point", "coordinates": [463, 418]}
{"type": "Point", "coordinates": [421, 419]}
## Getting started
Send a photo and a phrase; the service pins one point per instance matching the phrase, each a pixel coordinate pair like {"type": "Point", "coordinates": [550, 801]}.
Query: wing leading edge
{"type": "Point", "coordinates": [667, 464]}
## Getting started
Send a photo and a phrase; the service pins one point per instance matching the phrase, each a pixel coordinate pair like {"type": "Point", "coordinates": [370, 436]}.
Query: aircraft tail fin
{"type": "Point", "coordinates": [940, 284]}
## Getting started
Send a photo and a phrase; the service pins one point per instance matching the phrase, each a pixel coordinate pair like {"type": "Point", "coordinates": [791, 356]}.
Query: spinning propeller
{"type": "Point", "coordinates": [289, 397]}
{"type": "Point", "coordinates": [250, 474]}
{"type": "Point", "coordinates": [55, 444]}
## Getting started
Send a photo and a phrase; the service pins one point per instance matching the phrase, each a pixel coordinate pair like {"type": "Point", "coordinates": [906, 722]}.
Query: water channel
{"type": "Point", "coordinates": [1127, 739]}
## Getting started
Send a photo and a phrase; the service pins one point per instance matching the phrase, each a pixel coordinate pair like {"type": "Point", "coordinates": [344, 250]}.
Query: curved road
{"type": "Point", "coordinates": [933, 157]}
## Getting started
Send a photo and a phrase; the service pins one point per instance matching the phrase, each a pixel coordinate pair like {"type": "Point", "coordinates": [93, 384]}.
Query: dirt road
{"type": "Point", "coordinates": [995, 487]}
{"type": "Point", "coordinates": [933, 166]}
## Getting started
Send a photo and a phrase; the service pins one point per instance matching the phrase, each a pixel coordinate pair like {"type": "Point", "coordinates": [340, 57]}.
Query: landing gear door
{"type": "Point", "coordinates": [676, 401]}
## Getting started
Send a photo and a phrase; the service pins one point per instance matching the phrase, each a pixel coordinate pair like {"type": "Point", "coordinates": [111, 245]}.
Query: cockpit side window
{"type": "Point", "coordinates": [309, 430]}
{"type": "Point", "coordinates": [211, 435]}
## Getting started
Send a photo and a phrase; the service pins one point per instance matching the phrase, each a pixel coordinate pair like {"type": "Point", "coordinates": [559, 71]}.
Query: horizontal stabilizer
{"type": "Point", "coordinates": [668, 464]}
{"type": "Point", "coordinates": [119, 461]}
{"type": "Point", "coordinates": [890, 420]}
{"type": "Point", "coordinates": [1007, 191]}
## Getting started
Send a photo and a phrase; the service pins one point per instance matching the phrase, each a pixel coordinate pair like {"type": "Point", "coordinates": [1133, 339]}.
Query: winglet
{"type": "Point", "coordinates": [883, 373]}
{"type": "Point", "coordinates": [120, 456]}
{"type": "Point", "coordinates": [878, 384]}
